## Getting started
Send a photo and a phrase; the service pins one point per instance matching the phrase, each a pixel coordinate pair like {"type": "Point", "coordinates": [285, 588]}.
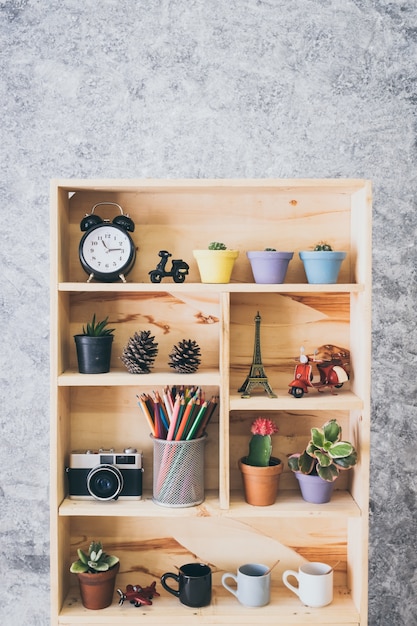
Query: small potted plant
{"type": "Point", "coordinates": [215, 264]}
{"type": "Point", "coordinates": [269, 265]}
{"type": "Point", "coordinates": [94, 347]}
{"type": "Point", "coordinates": [320, 464]}
{"type": "Point", "coordinates": [96, 572]}
{"type": "Point", "coordinates": [261, 471]}
{"type": "Point", "coordinates": [322, 265]}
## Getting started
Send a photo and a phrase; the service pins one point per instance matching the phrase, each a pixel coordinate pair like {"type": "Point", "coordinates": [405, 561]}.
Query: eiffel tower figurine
{"type": "Point", "coordinates": [257, 374]}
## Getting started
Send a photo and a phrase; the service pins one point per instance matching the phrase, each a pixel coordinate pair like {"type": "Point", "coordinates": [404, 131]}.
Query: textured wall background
{"type": "Point", "coordinates": [205, 88]}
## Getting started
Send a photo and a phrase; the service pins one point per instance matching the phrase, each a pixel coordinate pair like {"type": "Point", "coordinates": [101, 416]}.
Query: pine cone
{"type": "Point", "coordinates": [185, 357]}
{"type": "Point", "coordinates": [140, 353]}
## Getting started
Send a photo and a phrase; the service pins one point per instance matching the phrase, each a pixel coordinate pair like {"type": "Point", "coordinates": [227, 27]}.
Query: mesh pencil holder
{"type": "Point", "coordinates": [178, 472]}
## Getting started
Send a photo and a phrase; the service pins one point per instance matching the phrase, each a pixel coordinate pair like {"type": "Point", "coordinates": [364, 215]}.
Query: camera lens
{"type": "Point", "coordinates": [105, 482]}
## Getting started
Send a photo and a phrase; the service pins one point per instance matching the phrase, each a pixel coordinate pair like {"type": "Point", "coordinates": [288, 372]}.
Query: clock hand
{"type": "Point", "coordinates": [104, 244]}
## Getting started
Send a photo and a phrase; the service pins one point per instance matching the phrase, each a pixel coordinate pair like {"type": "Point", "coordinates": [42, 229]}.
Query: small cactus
{"type": "Point", "coordinates": [323, 246]}
{"type": "Point", "coordinates": [260, 446]}
{"type": "Point", "coordinates": [216, 245]}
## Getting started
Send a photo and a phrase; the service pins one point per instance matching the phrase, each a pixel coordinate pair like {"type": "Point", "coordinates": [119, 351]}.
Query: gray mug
{"type": "Point", "coordinates": [253, 582]}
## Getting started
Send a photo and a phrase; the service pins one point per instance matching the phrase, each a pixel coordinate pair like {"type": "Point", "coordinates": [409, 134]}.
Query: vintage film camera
{"type": "Point", "coordinates": [105, 475]}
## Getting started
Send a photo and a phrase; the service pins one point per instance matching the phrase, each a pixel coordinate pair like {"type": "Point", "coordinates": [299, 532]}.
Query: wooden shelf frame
{"type": "Point", "coordinates": [296, 212]}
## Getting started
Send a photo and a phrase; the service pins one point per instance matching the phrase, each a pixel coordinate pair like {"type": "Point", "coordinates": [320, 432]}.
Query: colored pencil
{"type": "Point", "coordinates": [184, 420]}
{"type": "Point", "coordinates": [196, 422]}
{"type": "Point", "coordinates": [146, 413]}
{"type": "Point", "coordinates": [174, 417]}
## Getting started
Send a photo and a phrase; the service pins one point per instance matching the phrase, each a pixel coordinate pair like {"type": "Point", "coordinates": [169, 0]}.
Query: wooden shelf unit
{"type": "Point", "coordinates": [101, 410]}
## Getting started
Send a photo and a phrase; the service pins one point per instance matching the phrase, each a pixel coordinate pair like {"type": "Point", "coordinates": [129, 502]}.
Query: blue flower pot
{"type": "Point", "coordinates": [322, 266]}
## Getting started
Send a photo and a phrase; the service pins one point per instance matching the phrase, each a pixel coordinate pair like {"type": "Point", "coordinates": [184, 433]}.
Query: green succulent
{"type": "Point", "coordinates": [97, 329]}
{"type": "Point", "coordinates": [95, 561]}
{"type": "Point", "coordinates": [323, 246]}
{"type": "Point", "coordinates": [216, 245]}
{"type": "Point", "coordinates": [326, 454]}
{"type": "Point", "coordinates": [270, 249]}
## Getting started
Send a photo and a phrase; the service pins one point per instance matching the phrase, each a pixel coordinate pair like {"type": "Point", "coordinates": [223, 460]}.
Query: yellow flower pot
{"type": "Point", "coordinates": [215, 266]}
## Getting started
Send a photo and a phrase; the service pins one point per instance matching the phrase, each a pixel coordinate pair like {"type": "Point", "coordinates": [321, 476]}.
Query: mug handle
{"type": "Point", "coordinates": [226, 586]}
{"type": "Point", "coordinates": [285, 575]}
{"type": "Point", "coordinates": [167, 587]}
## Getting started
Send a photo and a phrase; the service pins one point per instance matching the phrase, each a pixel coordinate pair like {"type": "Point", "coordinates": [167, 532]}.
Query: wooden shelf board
{"type": "Point", "coordinates": [209, 287]}
{"type": "Point", "coordinates": [194, 185]}
{"type": "Point", "coordinates": [122, 378]}
{"type": "Point", "coordinates": [289, 504]}
{"type": "Point", "coordinates": [137, 508]}
{"type": "Point", "coordinates": [313, 401]}
{"type": "Point", "coordinates": [284, 609]}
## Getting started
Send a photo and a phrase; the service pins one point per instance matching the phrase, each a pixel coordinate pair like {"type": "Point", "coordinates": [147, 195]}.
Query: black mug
{"type": "Point", "coordinates": [194, 584]}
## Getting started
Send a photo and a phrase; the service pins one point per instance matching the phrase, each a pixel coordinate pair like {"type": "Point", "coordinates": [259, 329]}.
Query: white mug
{"type": "Point", "coordinates": [253, 584]}
{"type": "Point", "coordinates": [315, 583]}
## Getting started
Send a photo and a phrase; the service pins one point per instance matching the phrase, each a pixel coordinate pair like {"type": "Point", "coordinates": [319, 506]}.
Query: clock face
{"type": "Point", "coordinates": [106, 250]}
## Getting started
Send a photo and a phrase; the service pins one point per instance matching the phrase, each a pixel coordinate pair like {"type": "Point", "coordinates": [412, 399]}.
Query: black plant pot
{"type": "Point", "coordinates": [93, 353]}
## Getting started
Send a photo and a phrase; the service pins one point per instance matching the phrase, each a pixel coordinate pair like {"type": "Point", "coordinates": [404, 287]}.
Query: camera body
{"type": "Point", "coordinates": [105, 475]}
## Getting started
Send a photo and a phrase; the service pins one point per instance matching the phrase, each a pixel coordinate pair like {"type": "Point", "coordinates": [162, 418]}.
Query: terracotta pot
{"type": "Point", "coordinates": [314, 489]}
{"type": "Point", "coordinates": [260, 484]}
{"type": "Point", "coordinates": [97, 589]}
{"type": "Point", "coordinates": [215, 266]}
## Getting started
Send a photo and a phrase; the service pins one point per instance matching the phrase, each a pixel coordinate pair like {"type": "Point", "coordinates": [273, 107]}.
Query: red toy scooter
{"type": "Point", "coordinates": [332, 364]}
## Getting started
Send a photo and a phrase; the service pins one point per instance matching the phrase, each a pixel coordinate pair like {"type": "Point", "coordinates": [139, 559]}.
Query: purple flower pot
{"type": "Point", "coordinates": [314, 489]}
{"type": "Point", "coordinates": [269, 266]}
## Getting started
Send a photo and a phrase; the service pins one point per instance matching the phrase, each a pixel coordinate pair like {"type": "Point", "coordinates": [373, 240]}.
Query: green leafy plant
{"type": "Point", "coordinates": [260, 446]}
{"type": "Point", "coordinates": [217, 245]}
{"type": "Point", "coordinates": [326, 454]}
{"type": "Point", "coordinates": [270, 250]}
{"type": "Point", "coordinates": [95, 561]}
{"type": "Point", "coordinates": [97, 329]}
{"type": "Point", "coordinates": [323, 246]}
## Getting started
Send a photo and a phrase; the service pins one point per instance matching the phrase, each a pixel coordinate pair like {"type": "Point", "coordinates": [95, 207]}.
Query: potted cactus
{"type": "Point", "coordinates": [322, 264]}
{"type": "Point", "coordinates": [320, 464]}
{"type": "Point", "coordinates": [269, 265]}
{"type": "Point", "coordinates": [215, 264]}
{"type": "Point", "coordinates": [94, 346]}
{"type": "Point", "coordinates": [260, 470]}
{"type": "Point", "coordinates": [96, 572]}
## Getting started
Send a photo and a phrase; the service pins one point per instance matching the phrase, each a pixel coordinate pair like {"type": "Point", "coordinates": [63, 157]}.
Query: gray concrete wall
{"type": "Point", "coordinates": [205, 88]}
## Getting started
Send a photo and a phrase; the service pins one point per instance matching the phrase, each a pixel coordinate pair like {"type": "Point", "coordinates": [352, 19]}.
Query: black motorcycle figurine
{"type": "Point", "coordinates": [179, 269]}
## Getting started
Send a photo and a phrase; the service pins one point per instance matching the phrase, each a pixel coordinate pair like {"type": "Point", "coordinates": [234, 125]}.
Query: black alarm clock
{"type": "Point", "coordinates": [107, 252]}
